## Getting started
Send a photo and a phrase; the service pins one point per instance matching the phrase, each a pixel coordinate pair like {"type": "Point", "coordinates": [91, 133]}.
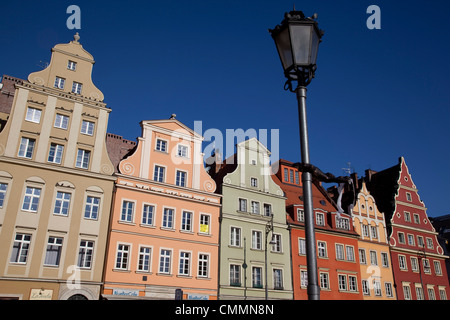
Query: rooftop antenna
{"type": "Point", "coordinates": [349, 169]}
{"type": "Point", "coordinates": [43, 64]}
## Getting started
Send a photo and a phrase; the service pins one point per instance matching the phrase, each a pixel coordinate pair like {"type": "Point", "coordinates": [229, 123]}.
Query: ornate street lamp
{"type": "Point", "coordinates": [297, 40]}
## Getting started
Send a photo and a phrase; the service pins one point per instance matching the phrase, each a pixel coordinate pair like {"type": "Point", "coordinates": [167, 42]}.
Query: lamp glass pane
{"type": "Point", "coordinates": [301, 44]}
{"type": "Point", "coordinates": [284, 48]}
{"type": "Point", "coordinates": [314, 47]}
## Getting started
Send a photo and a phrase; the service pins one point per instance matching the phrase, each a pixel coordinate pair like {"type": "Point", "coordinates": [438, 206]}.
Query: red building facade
{"type": "Point", "coordinates": [337, 245]}
{"type": "Point", "coordinates": [418, 261]}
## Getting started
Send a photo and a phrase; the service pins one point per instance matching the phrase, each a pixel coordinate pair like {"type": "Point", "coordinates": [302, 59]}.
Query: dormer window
{"type": "Point", "coordinates": [72, 65]}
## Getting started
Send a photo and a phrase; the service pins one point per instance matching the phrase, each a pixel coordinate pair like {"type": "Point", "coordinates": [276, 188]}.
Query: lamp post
{"type": "Point", "coordinates": [269, 228]}
{"type": "Point", "coordinates": [297, 40]}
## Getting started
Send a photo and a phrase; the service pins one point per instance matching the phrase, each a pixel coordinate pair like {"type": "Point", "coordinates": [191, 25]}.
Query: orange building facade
{"type": "Point", "coordinates": [336, 241]}
{"type": "Point", "coordinates": [165, 219]}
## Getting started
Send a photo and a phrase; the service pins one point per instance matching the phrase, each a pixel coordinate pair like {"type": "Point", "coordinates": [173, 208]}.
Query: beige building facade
{"type": "Point", "coordinates": [56, 182]}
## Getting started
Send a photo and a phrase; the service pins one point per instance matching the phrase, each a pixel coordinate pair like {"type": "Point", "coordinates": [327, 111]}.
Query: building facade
{"type": "Point", "coordinates": [418, 261]}
{"type": "Point", "coordinates": [55, 181]}
{"type": "Point", "coordinates": [377, 280]}
{"type": "Point", "coordinates": [165, 218]}
{"type": "Point", "coordinates": [254, 241]}
{"type": "Point", "coordinates": [336, 242]}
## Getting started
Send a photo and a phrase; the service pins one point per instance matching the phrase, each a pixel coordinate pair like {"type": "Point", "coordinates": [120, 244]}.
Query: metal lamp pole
{"type": "Point", "coordinates": [297, 40]}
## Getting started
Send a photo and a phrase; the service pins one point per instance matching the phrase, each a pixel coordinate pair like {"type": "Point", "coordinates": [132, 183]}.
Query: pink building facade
{"type": "Point", "coordinates": [165, 219]}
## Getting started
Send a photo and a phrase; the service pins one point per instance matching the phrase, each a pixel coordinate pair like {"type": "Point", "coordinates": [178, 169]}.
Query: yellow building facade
{"type": "Point", "coordinates": [374, 258]}
{"type": "Point", "coordinates": [56, 182]}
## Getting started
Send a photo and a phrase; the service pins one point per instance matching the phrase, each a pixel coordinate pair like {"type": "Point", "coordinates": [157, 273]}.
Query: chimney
{"type": "Point", "coordinates": [369, 174]}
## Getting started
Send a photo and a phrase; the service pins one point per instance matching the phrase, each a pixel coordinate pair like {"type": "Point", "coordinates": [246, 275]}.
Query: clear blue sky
{"type": "Point", "coordinates": [377, 95]}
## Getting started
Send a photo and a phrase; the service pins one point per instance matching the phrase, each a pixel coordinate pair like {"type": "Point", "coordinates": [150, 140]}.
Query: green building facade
{"type": "Point", "coordinates": [253, 219]}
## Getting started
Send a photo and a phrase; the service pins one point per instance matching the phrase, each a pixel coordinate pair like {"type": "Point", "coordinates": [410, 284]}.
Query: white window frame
{"type": "Point", "coordinates": [53, 246]}
{"type": "Point", "coordinates": [91, 205]}
{"type": "Point", "coordinates": [184, 263]}
{"type": "Point", "coordinates": [183, 151]}
{"type": "Point", "coordinates": [165, 221]}
{"type": "Point", "coordinates": [32, 205]}
{"type": "Point", "coordinates": [208, 224]}
{"type": "Point", "coordinates": [181, 178]}
{"type": "Point", "coordinates": [144, 263]}
{"type": "Point", "coordinates": [235, 236]}
{"type": "Point", "coordinates": [59, 82]}
{"type": "Point", "coordinates": [145, 219]}
{"type": "Point", "coordinates": [71, 65]}
{"type": "Point", "coordinates": [77, 87]}
{"type": "Point", "coordinates": [83, 159]}
{"type": "Point", "coordinates": [21, 248]}
{"type": "Point", "coordinates": [26, 148]}
{"type": "Point", "coordinates": [123, 255]}
{"type": "Point", "coordinates": [61, 121]}
{"type": "Point", "coordinates": [87, 127]}
{"type": "Point", "coordinates": [167, 260]}
{"type": "Point", "coordinates": [203, 265]}
{"type": "Point", "coordinates": [85, 254]}
{"type": "Point", "coordinates": [58, 150]}
{"type": "Point", "coordinates": [157, 170]}
{"type": "Point", "coordinates": [62, 202]}
{"type": "Point", "coordinates": [256, 240]}
{"type": "Point", "coordinates": [33, 115]}
{"type": "Point", "coordinates": [127, 211]}
{"type": "Point", "coordinates": [188, 225]}
{"type": "Point", "coordinates": [163, 145]}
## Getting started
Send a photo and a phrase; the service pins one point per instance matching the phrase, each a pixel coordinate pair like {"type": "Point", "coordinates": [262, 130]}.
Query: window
{"type": "Point", "coordinates": [144, 259]}
{"type": "Point", "coordinates": [406, 292]}
{"type": "Point", "coordinates": [324, 280]}
{"type": "Point", "coordinates": [181, 178]}
{"type": "Point", "coordinates": [411, 239]}
{"type": "Point", "coordinates": [416, 218]}
{"type": "Point", "coordinates": [342, 279]}
{"type": "Point", "coordinates": [303, 278]}
{"type": "Point", "coordinates": [430, 243]}
{"type": "Point", "coordinates": [127, 211]}
{"type": "Point", "coordinates": [85, 254]}
{"type": "Point", "coordinates": [350, 253]}
{"type": "Point", "coordinates": [186, 221]}
{"type": "Point", "coordinates": [257, 277]}
{"type": "Point", "coordinates": [203, 265]}
{"type": "Point", "coordinates": [286, 175]}
{"type": "Point", "coordinates": [431, 294]}
{"type": "Point", "coordinates": [256, 240]}
{"type": "Point", "coordinates": [164, 261]}
{"type": "Point", "coordinates": [267, 209]}
{"type": "Point", "coordinates": [83, 157]}
{"type": "Point", "coordinates": [414, 264]}
{"type": "Point", "coordinates": [373, 258]}
{"type": "Point", "coordinates": [3, 188]}
{"type": "Point", "coordinates": [408, 197]}
{"type": "Point", "coordinates": [437, 268]}
{"type": "Point", "coordinates": [168, 218]}
{"type": "Point", "coordinates": [342, 223]}
{"type": "Point", "coordinates": [33, 115]}
{"type": "Point", "coordinates": [59, 83]}
{"type": "Point", "coordinates": [182, 151]}
{"type": "Point", "coordinates": [76, 87]}
{"type": "Point", "coordinates": [26, 148]}
{"type": "Point", "coordinates": [61, 121]}
{"type": "Point", "coordinates": [254, 182]}
{"type": "Point", "coordinates": [377, 288]}
{"type": "Point", "coordinates": [55, 153]}
{"type": "Point", "coordinates": [365, 288]}
{"type": "Point", "coordinates": [426, 266]}
{"type": "Point", "coordinates": [402, 262]}
{"type": "Point", "coordinates": [277, 246]}
{"type": "Point", "coordinates": [365, 230]}
{"type": "Point", "coordinates": [31, 199]}
{"type": "Point", "coordinates": [291, 176]}
{"type": "Point", "coordinates": [71, 65]}
{"type": "Point", "coordinates": [53, 253]}
{"type": "Point", "coordinates": [340, 252]}
{"type": "Point", "coordinates": [161, 145]}
{"type": "Point", "coordinates": [243, 205]}
{"type": "Point", "coordinates": [185, 262]}
{"type": "Point", "coordinates": [420, 242]}
{"type": "Point", "coordinates": [62, 203]}
{"type": "Point", "coordinates": [20, 248]}
{"type": "Point", "coordinates": [388, 289]}
{"type": "Point", "coordinates": [322, 249]}
{"type": "Point", "coordinates": [235, 237]}
{"type": "Point", "coordinates": [301, 246]}
{"type": "Point", "coordinates": [401, 237]}
{"type": "Point", "coordinates": [91, 210]}
{"type": "Point", "coordinates": [419, 293]}
{"type": "Point", "coordinates": [147, 214]}
{"type": "Point", "coordinates": [320, 220]}
{"type": "Point", "coordinates": [159, 174]}
{"type": "Point", "coordinates": [442, 294]}
{"type": "Point", "coordinates": [255, 207]}
{"type": "Point", "coordinates": [278, 279]}
{"type": "Point", "coordinates": [362, 256]}
{"type": "Point", "coordinates": [235, 275]}
{"type": "Point", "coordinates": [374, 232]}
{"type": "Point", "coordinates": [87, 127]}
{"type": "Point", "coordinates": [353, 283]}
{"type": "Point", "coordinates": [407, 216]}
{"type": "Point", "coordinates": [204, 223]}
{"type": "Point", "coordinates": [300, 215]}
{"type": "Point", "coordinates": [385, 259]}
{"type": "Point", "coordinates": [297, 180]}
